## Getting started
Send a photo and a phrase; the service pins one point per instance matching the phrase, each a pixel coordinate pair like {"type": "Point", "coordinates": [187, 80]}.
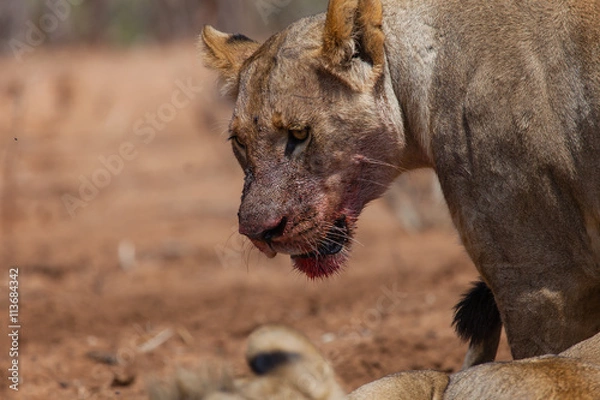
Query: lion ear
{"type": "Point", "coordinates": [353, 31]}
{"type": "Point", "coordinates": [225, 53]}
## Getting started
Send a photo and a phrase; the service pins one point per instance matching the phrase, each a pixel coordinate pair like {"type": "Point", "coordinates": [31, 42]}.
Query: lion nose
{"type": "Point", "coordinates": [267, 232]}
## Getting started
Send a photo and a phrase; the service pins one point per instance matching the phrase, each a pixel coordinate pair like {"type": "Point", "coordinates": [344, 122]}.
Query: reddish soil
{"type": "Point", "coordinates": [193, 278]}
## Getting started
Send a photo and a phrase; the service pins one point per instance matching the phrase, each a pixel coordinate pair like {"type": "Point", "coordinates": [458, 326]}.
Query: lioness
{"type": "Point", "coordinates": [501, 98]}
{"type": "Point", "coordinates": [287, 366]}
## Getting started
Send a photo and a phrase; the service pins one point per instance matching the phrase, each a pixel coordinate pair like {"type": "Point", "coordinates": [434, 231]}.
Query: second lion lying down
{"type": "Point", "coordinates": [287, 366]}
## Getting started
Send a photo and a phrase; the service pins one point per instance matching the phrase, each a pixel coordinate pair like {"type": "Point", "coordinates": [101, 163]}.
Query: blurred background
{"type": "Point", "coordinates": [118, 202]}
{"type": "Point", "coordinates": [130, 22]}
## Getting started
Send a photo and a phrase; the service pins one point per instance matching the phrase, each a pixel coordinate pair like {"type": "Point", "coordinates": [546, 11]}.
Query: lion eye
{"type": "Point", "coordinates": [300, 135]}
{"type": "Point", "coordinates": [298, 138]}
{"type": "Point", "coordinates": [239, 148]}
{"type": "Point", "coordinates": [236, 142]}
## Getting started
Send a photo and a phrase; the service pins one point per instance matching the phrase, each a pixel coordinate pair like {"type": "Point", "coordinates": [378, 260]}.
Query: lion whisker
{"type": "Point", "coordinates": [384, 185]}
{"type": "Point", "coordinates": [382, 163]}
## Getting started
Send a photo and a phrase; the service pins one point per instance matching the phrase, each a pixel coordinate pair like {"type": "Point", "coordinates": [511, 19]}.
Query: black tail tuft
{"type": "Point", "coordinates": [476, 316]}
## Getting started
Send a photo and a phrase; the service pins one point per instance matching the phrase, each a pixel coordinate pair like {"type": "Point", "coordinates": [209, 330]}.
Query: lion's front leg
{"type": "Point", "coordinates": [540, 321]}
{"type": "Point", "coordinates": [549, 318]}
{"type": "Point", "coordinates": [528, 241]}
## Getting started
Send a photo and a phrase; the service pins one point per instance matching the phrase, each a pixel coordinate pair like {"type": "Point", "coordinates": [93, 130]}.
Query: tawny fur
{"type": "Point", "coordinates": [218, 54]}
{"type": "Point", "coordinates": [291, 368]}
{"type": "Point", "coordinates": [573, 374]}
{"type": "Point", "coordinates": [305, 374]}
{"type": "Point", "coordinates": [501, 98]}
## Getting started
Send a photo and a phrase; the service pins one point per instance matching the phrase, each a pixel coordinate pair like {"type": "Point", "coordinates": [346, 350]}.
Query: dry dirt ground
{"type": "Point", "coordinates": [130, 271]}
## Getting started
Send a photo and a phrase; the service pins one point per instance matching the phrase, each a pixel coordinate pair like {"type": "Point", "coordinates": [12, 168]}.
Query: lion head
{"type": "Point", "coordinates": [316, 128]}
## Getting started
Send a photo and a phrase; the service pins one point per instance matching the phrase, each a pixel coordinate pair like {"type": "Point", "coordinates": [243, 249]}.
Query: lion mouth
{"type": "Point", "coordinates": [333, 243]}
{"type": "Point", "coordinates": [328, 258]}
